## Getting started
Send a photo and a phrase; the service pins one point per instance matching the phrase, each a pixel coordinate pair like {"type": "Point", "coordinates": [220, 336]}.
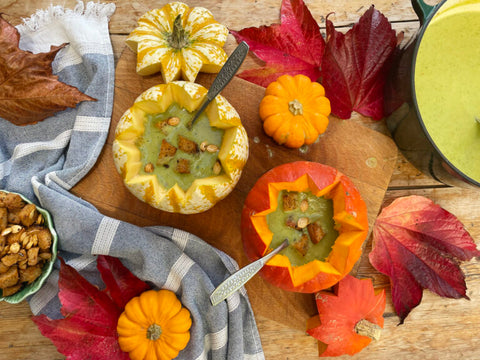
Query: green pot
{"type": "Point", "coordinates": [435, 144]}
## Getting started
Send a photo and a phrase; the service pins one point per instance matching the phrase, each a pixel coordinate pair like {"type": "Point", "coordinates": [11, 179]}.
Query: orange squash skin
{"type": "Point", "coordinates": [294, 110]}
{"type": "Point", "coordinates": [350, 214]}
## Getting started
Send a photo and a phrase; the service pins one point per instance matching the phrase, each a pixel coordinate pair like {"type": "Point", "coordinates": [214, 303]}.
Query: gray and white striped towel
{"type": "Point", "coordinates": [44, 161]}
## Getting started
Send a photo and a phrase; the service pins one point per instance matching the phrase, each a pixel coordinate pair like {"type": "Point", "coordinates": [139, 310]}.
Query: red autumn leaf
{"type": "Point", "coordinates": [348, 318]}
{"type": "Point", "coordinates": [295, 46]}
{"type": "Point", "coordinates": [121, 284]}
{"type": "Point", "coordinates": [89, 327]}
{"type": "Point", "coordinates": [29, 92]}
{"type": "Point", "coordinates": [355, 65]}
{"type": "Point", "coordinates": [419, 246]}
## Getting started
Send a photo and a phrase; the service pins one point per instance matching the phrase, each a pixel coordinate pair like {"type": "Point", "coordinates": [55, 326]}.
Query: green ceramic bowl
{"type": "Point", "coordinates": [47, 267]}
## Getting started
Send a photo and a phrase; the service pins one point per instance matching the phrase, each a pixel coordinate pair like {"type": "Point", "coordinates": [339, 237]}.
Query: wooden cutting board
{"type": "Point", "coordinates": [366, 156]}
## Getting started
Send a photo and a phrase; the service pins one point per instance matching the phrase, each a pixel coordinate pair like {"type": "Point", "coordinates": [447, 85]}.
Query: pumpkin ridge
{"type": "Point", "coordinates": [348, 207]}
{"type": "Point", "coordinates": [155, 340]}
{"type": "Point", "coordinates": [178, 27]}
{"type": "Point", "coordinates": [283, 107]}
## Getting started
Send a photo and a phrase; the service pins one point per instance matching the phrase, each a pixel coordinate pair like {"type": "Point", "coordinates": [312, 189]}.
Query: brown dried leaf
{"type": "Point", "coordinates": [29, 92]}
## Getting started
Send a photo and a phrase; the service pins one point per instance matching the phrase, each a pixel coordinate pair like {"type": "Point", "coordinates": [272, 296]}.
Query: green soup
{"type": "Point", "coordinates": [447, 85]}
{"type": "Point", "coordinates": [319, 209]}
{"type": "Point", "coordinates": [201, 163]}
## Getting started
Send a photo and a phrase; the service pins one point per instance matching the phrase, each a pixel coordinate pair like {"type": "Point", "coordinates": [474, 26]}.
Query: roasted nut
{"type": "Point", "coordinates": [14, 248]}
{"type": "Point", "coordinates": [304, 205]}
{"type": "Point", "coordinates": [203, 145]}
{"type": "Point", "coordinates": [24, 239]}
{"type": "Point", "coordinates": [302, 222]}
{"type": "Point", "coordinates": [35, 239]}
{"type": "Point", "coordinates": [40, 220]}
{"type": "Point", "coordinates": [217, 168]}
{"type": "Point", "coordinates": [173, 121]}
{"type": "Point", "coordinates": [15, 237]}
{"type": "Point", "coordinates": [6, 231]}
{"type": "Point", "coordinates": [212, 148]}
{"type": "Point", "coordinates": [148, 168]}
{"type": "Point", "coordinates": [16, 229]}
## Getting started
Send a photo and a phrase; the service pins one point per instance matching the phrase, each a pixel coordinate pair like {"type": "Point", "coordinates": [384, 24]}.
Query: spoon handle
{"type": "Point", "coordinates": [228, 70]}
{"type": "Point", "coordinates": [226, 73]}
{"type": "Point", "coordinates": [240, 277]}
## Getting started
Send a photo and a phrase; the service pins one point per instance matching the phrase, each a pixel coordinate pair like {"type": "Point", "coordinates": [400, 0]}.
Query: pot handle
{"type": "Point", "coordinates": [422, 9]}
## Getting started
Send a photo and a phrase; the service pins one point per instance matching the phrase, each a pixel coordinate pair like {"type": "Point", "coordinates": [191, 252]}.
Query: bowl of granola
{"type": "Point", "coordinates": [28, 247]}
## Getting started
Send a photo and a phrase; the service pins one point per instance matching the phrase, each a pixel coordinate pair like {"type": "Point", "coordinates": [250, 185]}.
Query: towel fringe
{"type": "Point", "coordinates": [45, 16]}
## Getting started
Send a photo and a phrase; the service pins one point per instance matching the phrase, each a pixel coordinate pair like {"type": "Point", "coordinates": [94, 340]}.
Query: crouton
{"type": "Point", "coordinates": [315, 231]}
{"type": "Point", "coordinates": [28, 215]}
{"type": "Point", "coordinates": [44, 237]}
{"type": "Point", "coordinates": [30, 274]}
{"type": "Point", "coordinates": [9, 260]}
{"type": "Point", "coordinates": [187, 145]}
{"type": "Point", "coordinates": [9, 278]}
{"type": "Point", "coordinates": [13, 217]}
{"type": "Point", "coordinates": [11, 290]}
{"type": "Point", "coordinates": [291, 222]}
{"type": "Point", "coordinates": [32, 256]}
{"type": "Point", "coordinates": [183, 166]}
{"type": "Point", "coordinates": [11, 201]}
{"type": "Point", "coordinates": [3, 268]}
{"type": "Point", "coordinates": [290, 201]}
{"type": "Point", "coordinates": [167, 151]}
{"type": "Point", "coordinates": [3, 218]}
{"type": "Point", "coordinates": [301, 245]}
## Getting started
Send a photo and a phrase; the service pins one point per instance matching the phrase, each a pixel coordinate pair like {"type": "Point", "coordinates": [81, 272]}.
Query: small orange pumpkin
{"type": "Point", "coordinates": [322, 183]}
{"type": "Point", "coordinates": [294, 110]}
{"type": "Point", "coordinates": [154, 326]}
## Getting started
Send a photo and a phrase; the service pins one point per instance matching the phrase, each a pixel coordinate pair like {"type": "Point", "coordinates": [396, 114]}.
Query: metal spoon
{"type": "Point", "coordinates": [240, 277]}
{"type": "Point", "coordinates": [224, 76]}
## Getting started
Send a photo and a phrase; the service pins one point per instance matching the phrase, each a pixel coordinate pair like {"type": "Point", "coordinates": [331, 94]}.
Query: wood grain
{"type": "Point", "coordinates": [437, 329]}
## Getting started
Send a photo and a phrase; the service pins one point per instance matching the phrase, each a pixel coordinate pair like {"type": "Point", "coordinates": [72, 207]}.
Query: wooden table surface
{"type": "Point", "coordinates": [437, 329]}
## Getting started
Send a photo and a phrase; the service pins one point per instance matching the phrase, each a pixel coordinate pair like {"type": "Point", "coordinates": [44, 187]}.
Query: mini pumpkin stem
{"type": "Point", "coordinates": [295, 107]}
{"type": "Point", "coordinates": [154, 332]}
{"type": "Point", "coordinates": [369, 329]}
{"type": "Point", "coordinates": [178, 39]}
